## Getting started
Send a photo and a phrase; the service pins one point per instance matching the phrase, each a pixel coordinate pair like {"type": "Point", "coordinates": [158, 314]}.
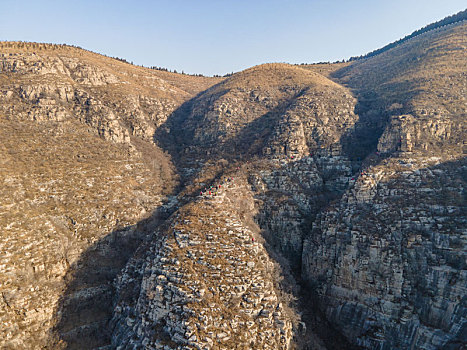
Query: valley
{"type": "Point", "coordinates": [282, 207]}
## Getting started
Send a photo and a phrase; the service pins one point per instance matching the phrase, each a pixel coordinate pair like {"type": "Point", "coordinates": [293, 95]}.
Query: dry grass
{"type": "Point", "coordinates": [62, 189]}
{"type": "Point", "coordinates": [180, 84]}
{"type": "Point", "coordinates": [426, 72]}
{"type": "Point", "coordinates": [278, 76]}
{"type": "Point", "coordinates": [326, 69]}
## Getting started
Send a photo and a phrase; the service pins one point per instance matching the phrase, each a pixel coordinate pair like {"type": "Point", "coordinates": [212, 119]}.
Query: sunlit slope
{"type": "Point", "coordinates": [119, 100]}
{"type": "Point", "coordinates": [271, 110]}
{"type": "Point", "coordinates": [419, 86]}
{"type": "Point", "coordinates": [78, 165]}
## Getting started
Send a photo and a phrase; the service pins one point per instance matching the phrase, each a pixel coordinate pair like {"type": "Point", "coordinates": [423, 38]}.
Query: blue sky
{"type": "Point", "coordinates": [217, 37]}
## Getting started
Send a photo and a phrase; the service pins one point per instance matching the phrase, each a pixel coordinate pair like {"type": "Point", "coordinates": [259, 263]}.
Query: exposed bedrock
{"type": "Point", "coordinates": [205, 282]}
{"type": "Point", "coordinates": [388, 259]}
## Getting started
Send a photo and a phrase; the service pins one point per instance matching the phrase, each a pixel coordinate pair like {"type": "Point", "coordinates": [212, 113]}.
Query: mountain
{"type": "Point", "coordinates": [395, 241]}
{"type": "Point", "coordinates": [314, 206]}
{"type": "Point", "coordinates": [266, 111]}
{"type": "Point", "coordinates": [78, 164]}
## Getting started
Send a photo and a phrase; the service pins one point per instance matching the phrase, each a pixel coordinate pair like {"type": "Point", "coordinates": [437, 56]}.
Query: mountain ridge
{"type": "Point", "coordinates": [349, 179]}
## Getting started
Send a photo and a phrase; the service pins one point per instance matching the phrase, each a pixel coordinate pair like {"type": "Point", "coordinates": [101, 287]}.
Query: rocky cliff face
{"type": "Point", "coordinates": [388, 258]}
{"type": "Point", "coordinates": [350, 179]}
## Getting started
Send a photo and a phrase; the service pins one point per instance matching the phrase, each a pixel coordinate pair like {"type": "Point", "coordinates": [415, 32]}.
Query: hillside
{"type": "Point", "coordinates": [453, 19]}
{"type": "Point", "coordinates": [283, 207]}
{"type": "Point", "coordinates": [273, 110]}
{"type": "Point", "coordinates": [420, 83]}
{"type": "Point", "coordinates": [52, 82]}
{"type": "Point", "coordinates": [63, 188]}
{"type": "Point", "coordinates": [78, 164]}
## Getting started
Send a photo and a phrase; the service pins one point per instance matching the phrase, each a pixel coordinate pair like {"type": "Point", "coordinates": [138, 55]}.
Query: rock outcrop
{"type": "Point", "coordinates": [206, 282]}
{"type": "Point", "coordinates": [53, 83]}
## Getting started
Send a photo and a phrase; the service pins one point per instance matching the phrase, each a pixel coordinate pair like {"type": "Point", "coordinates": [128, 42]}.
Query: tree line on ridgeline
{"type": "Point", "coordinates": [458, 17]}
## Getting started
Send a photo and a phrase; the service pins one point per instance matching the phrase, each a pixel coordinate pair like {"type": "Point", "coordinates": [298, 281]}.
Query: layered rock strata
{"type": "Point", "coordinates": [388, 259]}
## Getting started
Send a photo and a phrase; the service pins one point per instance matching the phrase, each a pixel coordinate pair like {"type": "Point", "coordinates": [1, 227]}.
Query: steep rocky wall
{"type": "Point", "coordinates": [407, 133]}
{"type": "Point", "coordinates": [388, 259]}
{"type": "Point", "coordinates": [291, 192]}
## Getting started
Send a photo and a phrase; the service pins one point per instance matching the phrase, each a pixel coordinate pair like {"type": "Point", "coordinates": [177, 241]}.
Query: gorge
{"type": "Point", "coordinates": [316, 206]}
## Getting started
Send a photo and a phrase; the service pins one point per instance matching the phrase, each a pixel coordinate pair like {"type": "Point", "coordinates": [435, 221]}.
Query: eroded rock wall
{"type": "Point", "coordinates": [388, 258]}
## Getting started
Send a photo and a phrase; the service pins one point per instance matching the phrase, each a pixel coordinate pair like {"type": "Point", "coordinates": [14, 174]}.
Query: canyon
{"type": "Point", "coordinates": [317, 206]}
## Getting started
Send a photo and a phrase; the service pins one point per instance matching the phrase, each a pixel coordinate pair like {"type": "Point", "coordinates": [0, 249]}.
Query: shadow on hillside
{"type": "Point", "coordinates": [362, 139]}
{"type": "Point", "coordinates": [251, 139]}
{"type": "Point", "coordinates": [177, 134]}
{"type": "Point", "coordinates": [378, 99]}
{"type": "Point", "coordinates": [84, 311]}
{"type": "Point", "coordinates": [85, 307]}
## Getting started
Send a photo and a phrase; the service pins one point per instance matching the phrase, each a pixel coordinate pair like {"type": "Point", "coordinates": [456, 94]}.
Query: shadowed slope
{"type": "Point", "coordinates": [272, 110]}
